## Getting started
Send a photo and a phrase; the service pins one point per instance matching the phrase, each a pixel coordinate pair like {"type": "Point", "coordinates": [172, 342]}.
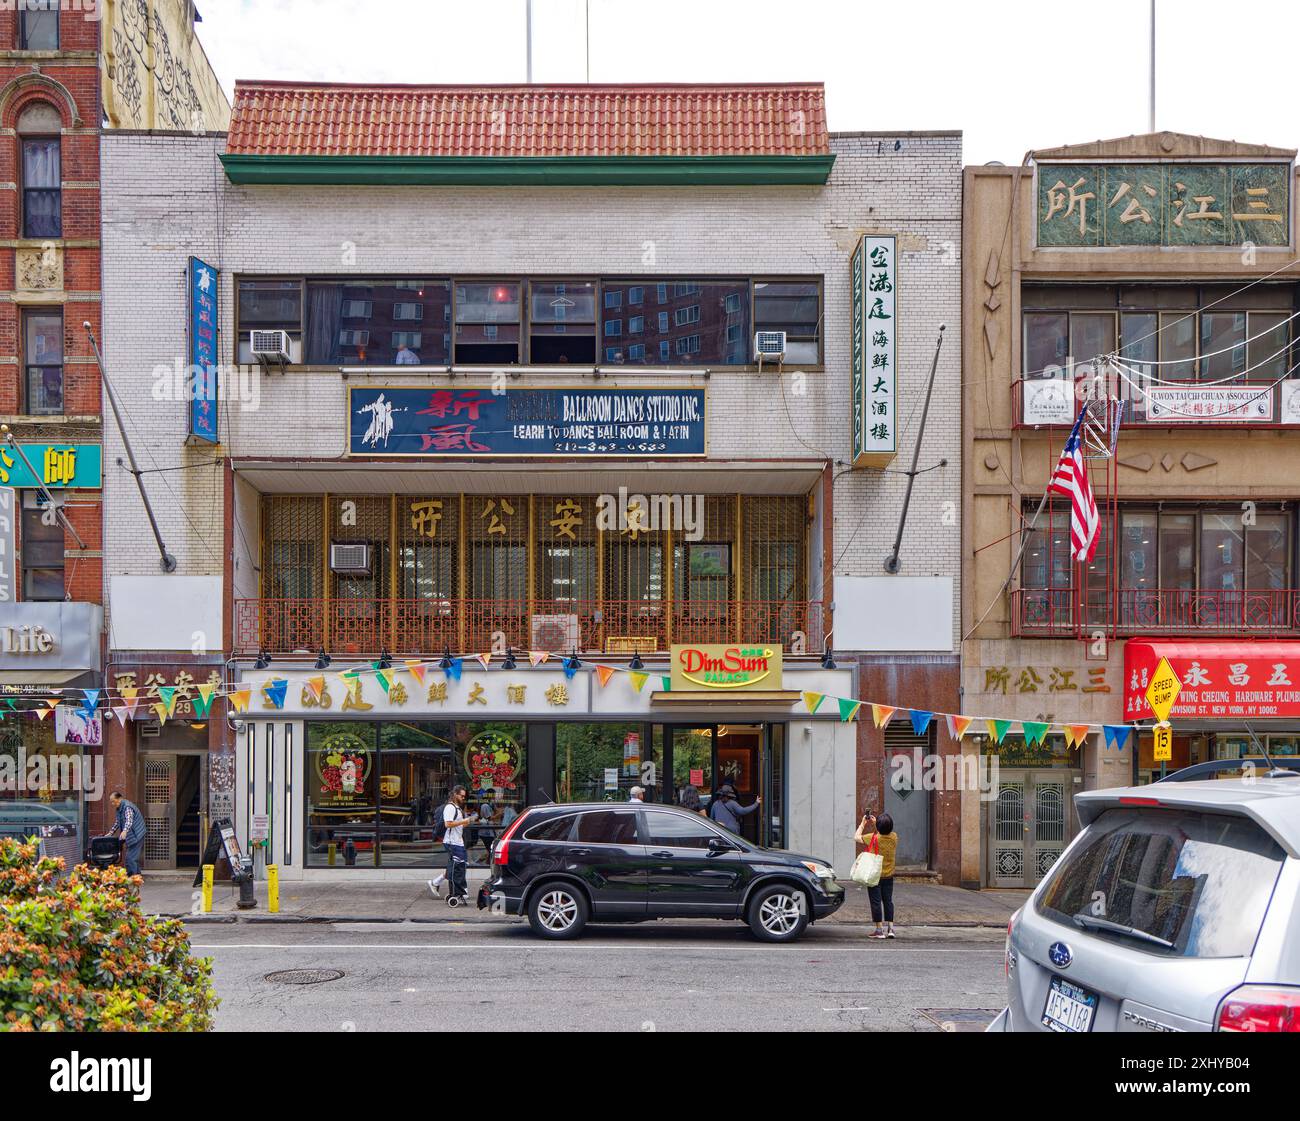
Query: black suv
{"type": "Point", "coordinates": [566, 865]}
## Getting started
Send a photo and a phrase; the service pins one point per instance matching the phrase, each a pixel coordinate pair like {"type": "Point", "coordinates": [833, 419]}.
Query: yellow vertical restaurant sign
{"type": "Point", "coordinates": [1163, 690]}
{"type": "Point", "coordinates": [726, 666]}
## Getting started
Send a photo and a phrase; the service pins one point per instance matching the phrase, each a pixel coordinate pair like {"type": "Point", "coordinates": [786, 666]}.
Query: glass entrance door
{"type": "Point", "coordinates": [709, 756]}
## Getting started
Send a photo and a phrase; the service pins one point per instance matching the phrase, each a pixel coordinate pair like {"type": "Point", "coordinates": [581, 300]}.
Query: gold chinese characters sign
{"type": "Point", "coordinates": [1163, 204]}
{"type": "Point", "coordinates": [723, 666]}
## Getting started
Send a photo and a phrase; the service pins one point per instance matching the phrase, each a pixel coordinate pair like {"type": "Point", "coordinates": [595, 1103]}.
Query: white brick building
{"type": "Point", "coordinates": [249, 520]}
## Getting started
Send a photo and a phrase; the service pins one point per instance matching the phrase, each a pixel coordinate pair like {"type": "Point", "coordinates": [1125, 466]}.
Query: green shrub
{"type": "Point", "coordinates": [77, 953]}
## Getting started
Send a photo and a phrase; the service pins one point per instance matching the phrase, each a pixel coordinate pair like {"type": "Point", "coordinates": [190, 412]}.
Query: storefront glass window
{"type": "Point", "coordinates": [597, 762]}
{"type": "Point", "coordinates": [40, 795]}
{"type": "Point", "coordinates": [375, 790]}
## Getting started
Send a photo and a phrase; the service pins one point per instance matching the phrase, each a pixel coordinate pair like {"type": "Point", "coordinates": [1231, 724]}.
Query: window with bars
{"type": "Point", "coordinates": [432, 581]}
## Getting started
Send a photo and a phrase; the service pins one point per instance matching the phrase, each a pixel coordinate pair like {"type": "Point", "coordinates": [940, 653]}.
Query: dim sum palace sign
{"type": "Point", "coordinates": [1129, 205]}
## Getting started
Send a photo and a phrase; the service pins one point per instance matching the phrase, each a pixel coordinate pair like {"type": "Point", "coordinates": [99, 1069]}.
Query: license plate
{"type": "Point", "coordinates": [1069, 1008]}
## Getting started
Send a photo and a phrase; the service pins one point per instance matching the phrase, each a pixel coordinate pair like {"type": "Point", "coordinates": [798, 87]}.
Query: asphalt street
{"type": "Point", "coordinates": [650, 977]}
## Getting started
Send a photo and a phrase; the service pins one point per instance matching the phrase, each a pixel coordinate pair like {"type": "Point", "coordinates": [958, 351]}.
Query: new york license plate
{"type": "Point", "coordinates": [1069, 1007]}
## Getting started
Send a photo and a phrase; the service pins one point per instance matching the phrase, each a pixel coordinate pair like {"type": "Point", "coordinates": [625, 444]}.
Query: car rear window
{"type": "Point", "coordinates": [552, 829]}
{"type": "Point", "coordinates": [1200, 881]}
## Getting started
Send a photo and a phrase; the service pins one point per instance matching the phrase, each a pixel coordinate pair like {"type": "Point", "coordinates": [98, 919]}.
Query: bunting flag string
{"type": "Point", "coordinates": [125, 704]}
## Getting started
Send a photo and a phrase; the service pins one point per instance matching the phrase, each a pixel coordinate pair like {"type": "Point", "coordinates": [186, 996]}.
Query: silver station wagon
{"type": "Point", "coordinates": [1176, 908]}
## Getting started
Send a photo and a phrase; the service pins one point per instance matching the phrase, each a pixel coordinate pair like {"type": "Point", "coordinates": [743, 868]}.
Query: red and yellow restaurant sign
{"type": "Point", "coordinates": [726, 666]}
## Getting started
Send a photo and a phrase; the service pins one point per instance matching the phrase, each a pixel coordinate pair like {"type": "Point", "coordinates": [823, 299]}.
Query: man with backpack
{"type": "Point", "coordinates": [450, 829]}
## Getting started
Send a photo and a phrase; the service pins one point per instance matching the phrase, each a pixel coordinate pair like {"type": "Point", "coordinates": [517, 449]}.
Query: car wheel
{"type": "Point", "coordinates": [557, 910]}
{"type": "Point", "coordinates": [778, 913]}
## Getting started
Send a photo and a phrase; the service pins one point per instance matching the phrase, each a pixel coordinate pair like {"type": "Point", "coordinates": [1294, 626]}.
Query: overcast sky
{"type": "Point", "coordinates": [1011, 74]}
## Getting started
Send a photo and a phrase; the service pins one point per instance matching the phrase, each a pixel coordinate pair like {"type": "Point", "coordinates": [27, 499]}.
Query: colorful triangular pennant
{"type": "Point", "coordinates": [203, 703]}
{"type": "Point", "coordinates": [957, 725]}
{"type": "Point", "coordinates": [537, 657]}
{"type": "Point", "coordinates": [920, 721]}
{"type": "Point", "coordinates": [638, 679]}
{"type": "Point", "coordinates": [1076, 734]}
{"type": "Point", "coordinates": [485, 660]}
{"type": "Point", "coordinates": [848, 709]}
{"type": "Point", "coordinates": [239, 698]}
{"type": "Point", "coordinates": [415, 668]}
{"type": "Point", "coordinates": [603, 674]}
{"type": "Point", "coordinates": [275, 690]}
{"type": "Point", "coordinates": [813, 700]}
{"type": "Point", "coordinates": [1116, 735]}
{"type": "Point", "coordinates": [881, 714]}
{"type": "Point", "coordinates": [998, 729]}
{"type": "Point", "coordinates": [1034, 731]}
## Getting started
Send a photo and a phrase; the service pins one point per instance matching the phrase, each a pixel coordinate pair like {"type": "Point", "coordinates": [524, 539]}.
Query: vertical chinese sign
{"type": "Point", "coordinates": [202, 383]}
{"type": "Point", "coordinates": [874, 278]}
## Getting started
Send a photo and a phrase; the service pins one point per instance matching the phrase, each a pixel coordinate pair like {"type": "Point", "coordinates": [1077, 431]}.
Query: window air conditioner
{"type": "Point", "coordinates": [769, 346]}
{"type": "Point", "coordinates": [270, 346]}
{"type": "Point", "coordinates": [555, 633]}
{"type": "Point", "coordinates": [350, 558]}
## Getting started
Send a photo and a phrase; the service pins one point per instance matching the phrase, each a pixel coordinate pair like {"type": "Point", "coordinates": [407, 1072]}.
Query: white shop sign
{"type": "Point", "coordinates": [1048, 400]}
{"type": "Point", "coordinates": [1218, 403]}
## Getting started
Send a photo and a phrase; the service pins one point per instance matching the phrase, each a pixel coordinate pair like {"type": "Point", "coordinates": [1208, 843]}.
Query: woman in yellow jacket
{"type": "Point", "coordinates": [881, 830]}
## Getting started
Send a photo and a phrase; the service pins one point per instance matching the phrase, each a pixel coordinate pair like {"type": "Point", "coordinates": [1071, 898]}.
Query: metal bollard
{"type": "Point", "coordinates": [273, 888]}
{"type": "Point", "coordinates": [208, 870]}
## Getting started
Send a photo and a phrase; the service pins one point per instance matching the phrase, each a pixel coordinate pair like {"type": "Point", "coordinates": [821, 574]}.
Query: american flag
{"type": "Point", "coordinates": [1071, 480]}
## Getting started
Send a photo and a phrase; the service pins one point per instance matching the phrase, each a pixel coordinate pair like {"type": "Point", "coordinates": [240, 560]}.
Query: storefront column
{"type": "Point", "coordinates": [541, 763]}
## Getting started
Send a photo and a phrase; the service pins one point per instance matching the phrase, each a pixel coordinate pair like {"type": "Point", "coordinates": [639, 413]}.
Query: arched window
{"type": "Point", "coordinates": [38, 132]}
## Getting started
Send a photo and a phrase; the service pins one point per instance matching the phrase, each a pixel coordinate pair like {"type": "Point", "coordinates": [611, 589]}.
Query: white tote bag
{"type": "Point", "coordinates": [869, 864]}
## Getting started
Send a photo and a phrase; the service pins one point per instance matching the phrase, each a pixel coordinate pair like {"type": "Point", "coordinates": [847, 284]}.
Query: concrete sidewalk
{"type": "Point", "coordinates": [915, 904]}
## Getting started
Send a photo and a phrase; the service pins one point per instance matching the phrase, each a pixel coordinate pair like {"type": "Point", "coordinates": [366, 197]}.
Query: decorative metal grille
{"type": "Point", "coordinates": [1049, 812]}
{"type": "Point", "coordinates": [1009, 813]}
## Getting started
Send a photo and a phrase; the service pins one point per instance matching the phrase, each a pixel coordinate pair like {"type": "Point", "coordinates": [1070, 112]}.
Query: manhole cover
{"type": "Point", "coordinates": [303, 976]}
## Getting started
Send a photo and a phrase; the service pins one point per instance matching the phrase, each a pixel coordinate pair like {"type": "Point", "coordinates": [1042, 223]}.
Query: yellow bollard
{"type": "Point", "coordinates": [207, 888]}
{"type": "Point", "coordinates": [273, 888]}
{"type": "Point", "coordinates": [331, 848]}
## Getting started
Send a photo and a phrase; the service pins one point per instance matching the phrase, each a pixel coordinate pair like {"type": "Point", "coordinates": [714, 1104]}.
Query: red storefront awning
{"type": "Point", "coordinates": [1220, 680]}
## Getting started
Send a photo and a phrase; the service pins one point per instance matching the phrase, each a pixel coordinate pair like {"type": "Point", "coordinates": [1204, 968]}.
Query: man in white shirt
{"type": "Point", "coordinates": [455, 817]}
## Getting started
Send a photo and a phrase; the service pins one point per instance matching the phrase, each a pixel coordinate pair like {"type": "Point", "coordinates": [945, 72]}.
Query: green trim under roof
{"type": "Point", "coordinates": [530, 171]}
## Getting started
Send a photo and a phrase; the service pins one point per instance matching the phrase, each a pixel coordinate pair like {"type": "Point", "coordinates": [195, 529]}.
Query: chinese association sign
{"type": "Point", "coordinates": [1216, 679]}
{"type": "Point", "coordinates": [526, 422]}
{"type": "Point", "coordinates": [202, 288]}
{"type": "Point", "coordinates": [874, 276]}
{"type": "Point", "coordinates": [1170, 204]}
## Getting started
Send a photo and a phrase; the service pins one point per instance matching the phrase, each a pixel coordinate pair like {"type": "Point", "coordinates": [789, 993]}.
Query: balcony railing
{"type": "Point", "coordinates": [430, 626]}
{"type": "Point", "coordinates": [1057, 612]}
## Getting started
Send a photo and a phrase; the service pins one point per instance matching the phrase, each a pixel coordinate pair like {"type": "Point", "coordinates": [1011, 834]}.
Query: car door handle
{"type": "Point", "coordinates": [580, 852]}
{"type": "Point", "coordinates": [662, 855]}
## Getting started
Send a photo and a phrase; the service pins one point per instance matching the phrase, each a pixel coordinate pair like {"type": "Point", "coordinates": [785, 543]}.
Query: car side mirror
{"type": "Point", "coordinates": [717, 845]}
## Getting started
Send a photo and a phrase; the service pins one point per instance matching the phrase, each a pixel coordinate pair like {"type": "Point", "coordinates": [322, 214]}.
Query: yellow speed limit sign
{"type": "Point", "coordinates": [1163, 690]}
{"type": "Point", "coordinates": [1163, 743]}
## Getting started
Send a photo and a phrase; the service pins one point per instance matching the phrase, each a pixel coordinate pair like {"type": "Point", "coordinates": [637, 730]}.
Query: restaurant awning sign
{"type": "Point", "coordinates": [401, 421]}
{"type": "Point", "coordinates": [873, 277]}
{"type": "Point", "coordinates": [1216, 680]}
{"type": "Point", "coordinates": [725, 666]}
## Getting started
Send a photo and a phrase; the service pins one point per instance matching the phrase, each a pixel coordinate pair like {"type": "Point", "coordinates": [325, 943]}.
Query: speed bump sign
{"type": "Point", "coordinates": [1163, 690]}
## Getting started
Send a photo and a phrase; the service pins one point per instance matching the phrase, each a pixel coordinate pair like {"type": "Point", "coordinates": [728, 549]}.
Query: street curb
{"type": "Point", "coordinates": [321, 920]}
